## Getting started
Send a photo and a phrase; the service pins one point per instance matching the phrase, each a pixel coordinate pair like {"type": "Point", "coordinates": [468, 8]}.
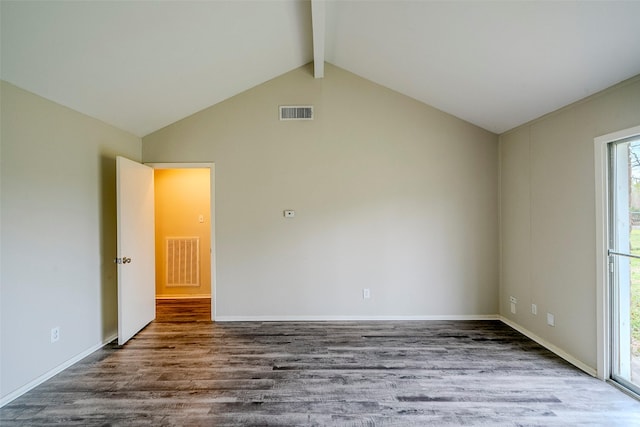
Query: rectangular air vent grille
{"type": "Point", "coordinates": [183, 261]}
{"type": "Point", "coordinates": [299, 112]}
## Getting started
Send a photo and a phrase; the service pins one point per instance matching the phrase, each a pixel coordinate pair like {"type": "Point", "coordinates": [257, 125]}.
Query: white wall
{"type": "Point", "coordinates": [390, 194]}
{"type": "Point", "coordinates": [58, 234]}
{"type": "Point", "coordinates": [548, 217]}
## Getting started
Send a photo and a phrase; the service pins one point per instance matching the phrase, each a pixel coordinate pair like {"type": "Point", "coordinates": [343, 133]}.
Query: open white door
{"type": "Point", "coordinates": [136, 248]}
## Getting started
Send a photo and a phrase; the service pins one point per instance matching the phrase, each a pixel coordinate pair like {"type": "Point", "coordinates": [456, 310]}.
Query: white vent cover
{"type": "Point", "coordinates": [183, 261]}
{"type": "Point", "coordinates": [296, 112]}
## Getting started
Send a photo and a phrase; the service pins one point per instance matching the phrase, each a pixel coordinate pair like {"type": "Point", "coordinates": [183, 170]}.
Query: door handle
{"type": "Point", "coordinates": [123, 260]}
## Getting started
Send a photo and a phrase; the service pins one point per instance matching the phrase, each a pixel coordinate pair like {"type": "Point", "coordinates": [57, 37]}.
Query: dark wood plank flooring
{"type": "Point", "coordinates": [442, 373]}
{"type": "Point", "coordinates": [183, 310]}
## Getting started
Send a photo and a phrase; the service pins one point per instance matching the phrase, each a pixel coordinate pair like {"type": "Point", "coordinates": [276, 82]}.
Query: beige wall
{"type": "Point", "coordinates": [181, 196]}
{"type": "Point", "coordinates": [548, 217]}
{"type": "Point", "coordinates": [58, 234]}
{"type": "Point", "coordinates": [389, 194]}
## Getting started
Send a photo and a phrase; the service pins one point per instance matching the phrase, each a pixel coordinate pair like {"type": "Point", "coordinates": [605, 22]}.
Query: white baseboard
{"type": "Point", "coordinates": [352, 318]}
{"type": "Point", "coordinates": [44, 377]}
{"type": "Point", "coordinates": [194, 296]}
{"type": "Point", "coordinates": [554, 349]}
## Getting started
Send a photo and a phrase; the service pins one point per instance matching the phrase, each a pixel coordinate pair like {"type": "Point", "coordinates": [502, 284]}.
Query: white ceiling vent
{"type": "Point", "coordinates": [296, 112]}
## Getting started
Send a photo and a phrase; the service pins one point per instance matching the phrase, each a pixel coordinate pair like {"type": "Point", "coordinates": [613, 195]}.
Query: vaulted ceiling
{"type": "Point", "coordinates": [142, 65]}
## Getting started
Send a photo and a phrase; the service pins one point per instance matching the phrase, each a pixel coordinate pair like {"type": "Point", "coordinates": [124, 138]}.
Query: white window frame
{"type": "Point", "coordinates": [603, 299]}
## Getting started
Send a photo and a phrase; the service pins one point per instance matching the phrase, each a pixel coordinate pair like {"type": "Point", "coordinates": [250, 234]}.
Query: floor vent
{"type": "Point", "coordinates": [183, 261]}
{"type": "Point", "coordinates": [288, 112]}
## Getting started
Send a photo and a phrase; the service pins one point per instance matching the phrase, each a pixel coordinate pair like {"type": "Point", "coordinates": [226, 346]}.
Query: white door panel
{"type": "Point", "coordinates": [136, 247]}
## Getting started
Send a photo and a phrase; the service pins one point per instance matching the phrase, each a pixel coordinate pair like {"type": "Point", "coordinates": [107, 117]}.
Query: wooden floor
{"type": "Point", "coordinates": [183, 310]}
{"type": "Point", "coordinates": [421, 373]}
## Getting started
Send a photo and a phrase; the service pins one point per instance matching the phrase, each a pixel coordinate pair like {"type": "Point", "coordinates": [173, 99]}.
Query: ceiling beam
{"type": "Point", "coordinates": [318, 25]}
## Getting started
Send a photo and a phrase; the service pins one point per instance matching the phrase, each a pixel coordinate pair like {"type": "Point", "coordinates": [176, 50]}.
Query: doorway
{"type": "Point", "coordinates": [184, 242]}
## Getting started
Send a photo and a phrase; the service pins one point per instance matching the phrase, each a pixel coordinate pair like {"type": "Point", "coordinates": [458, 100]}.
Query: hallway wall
{"type": "Point", "coordinates": [181, 197]}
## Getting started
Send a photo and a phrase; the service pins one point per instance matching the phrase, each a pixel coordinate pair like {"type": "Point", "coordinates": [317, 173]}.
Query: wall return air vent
{"type": "Point", "coordinates": [296, 112]}
{"type": "Point", "coordinates": [183, 261]}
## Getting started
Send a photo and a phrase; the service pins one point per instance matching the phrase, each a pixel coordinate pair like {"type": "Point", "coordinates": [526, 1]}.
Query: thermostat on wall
{"type": "Point", "coordinates": [289, 214]}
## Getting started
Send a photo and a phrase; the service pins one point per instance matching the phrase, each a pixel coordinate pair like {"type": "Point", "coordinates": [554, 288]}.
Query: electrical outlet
{"type": "Point", "coordinates": [513, 308]}
{"type": "Point", "coordinates": [55, 334]}
{"type": "Point", "coordinates": [366, 293]}
{"type": "Point", "coordinates": [551, 320]}
{"type": "Point", "coordinates": [534, 309]}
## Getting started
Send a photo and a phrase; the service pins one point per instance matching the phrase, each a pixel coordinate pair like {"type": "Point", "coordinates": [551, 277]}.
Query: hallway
{"type": "Point", "coordinates": [183, 310]}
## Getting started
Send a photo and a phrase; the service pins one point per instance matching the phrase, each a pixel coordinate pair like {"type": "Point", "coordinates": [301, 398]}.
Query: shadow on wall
{"type": "Point", "coordinates": [108, 247]}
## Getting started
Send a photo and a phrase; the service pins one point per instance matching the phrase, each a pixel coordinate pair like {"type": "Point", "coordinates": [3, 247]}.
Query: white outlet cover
{"type": "Point", "coordinates": [551, 320]}
{"type": "Point", "coordinates": [513, 308]}
{"type": "Point", "coordinates": [534, 309]}
{"type": "Point", "coordinates": [55, 334]}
